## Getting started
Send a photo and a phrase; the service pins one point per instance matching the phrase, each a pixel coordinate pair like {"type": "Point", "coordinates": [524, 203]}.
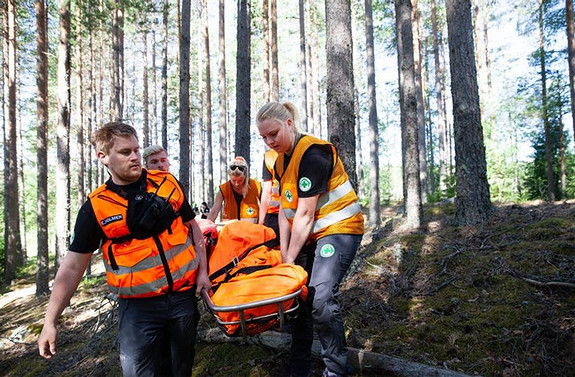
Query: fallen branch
{"type": "Point", "coordinates": [549, 283]}
{"type": "Point", "coordinates": [360, 359]}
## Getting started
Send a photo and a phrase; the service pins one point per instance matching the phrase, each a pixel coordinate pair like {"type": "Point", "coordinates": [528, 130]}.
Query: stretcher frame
{"type": "Point", "coordinates": [243, 322]}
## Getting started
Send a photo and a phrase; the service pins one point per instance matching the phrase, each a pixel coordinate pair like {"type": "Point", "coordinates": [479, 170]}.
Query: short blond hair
{"type": "Point", "coordinates": [152, 149]}
{"type": "Point", "coordinates": [103, 138]}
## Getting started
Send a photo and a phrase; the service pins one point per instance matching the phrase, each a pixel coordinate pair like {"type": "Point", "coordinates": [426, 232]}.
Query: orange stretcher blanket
{"type": "Point", "coordinates": [252, 288]}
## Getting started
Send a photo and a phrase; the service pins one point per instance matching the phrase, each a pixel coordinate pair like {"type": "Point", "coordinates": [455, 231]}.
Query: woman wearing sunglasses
{"type": "Point", "coordinates": [321, 226]}
{"type": "Point", "coordinates": [240, 195]}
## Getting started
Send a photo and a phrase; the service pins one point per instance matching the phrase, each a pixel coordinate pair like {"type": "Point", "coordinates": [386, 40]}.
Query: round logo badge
{"type": "Point", "coordinates": [304, 184]}
{"type": "Point", "coordinates": [250, 211]}
{"type": "Point", "coordinates": [327, 250]}
{"type": "Point", "coordinates": [288, 195]}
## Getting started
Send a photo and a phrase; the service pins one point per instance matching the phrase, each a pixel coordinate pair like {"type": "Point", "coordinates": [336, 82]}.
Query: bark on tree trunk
{"type": "Point", "coordinates": [275, 87]}
{"type": "Point", "coordinates": [184, 175]}
{"type": "Point", "coordinates": [473, 204]}
{"type": "Point", "coordinates": [42, 261]}
{"type": "Point", "coordinates": [63, 137]}
{"type": "Point", "coordinates": [571, 55]}
{"type": "Point", "coordinates": [302, 68]}
{"type": "Point", "coordinates": [223, 99]}
{"type": "Point", "coordinates": [441, 123]}
{"type": "Point", "coordinates": [165, 75]}
{"type": "Point", "coordinates": [374, 202]}
{"type": "Point", "coordinates": [210, 164]}
{"type": "Point", "coordinates": [544, 112]}
{"type": "Point", "coordinates": [243, 80]}
{"type": "Point", "coordinates": [340, 84]}
{"type": "Point", "coordinates": [408, 105]}
{"type": "Point", "coordinates": [419, 88]}
{"type": "Point", "coordinates": [361, 360]}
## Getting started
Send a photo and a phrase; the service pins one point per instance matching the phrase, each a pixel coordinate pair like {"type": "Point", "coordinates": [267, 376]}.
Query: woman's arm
{"type": "Point", "coordinates": [216, 207]}
{"type": "Point", "coordinates": [265, 201]}
{"type": "Point", "coordinates": [301, 227]}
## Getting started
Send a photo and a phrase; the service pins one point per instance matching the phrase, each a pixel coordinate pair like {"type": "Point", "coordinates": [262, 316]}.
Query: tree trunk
{"type": "Point", "coordinates": [154, 123]}
{"type": "Point", "coordinates": [267, 47]}
{"type": "Point", "coordinates": [200, 118]}
{"type": "Point", "coordinates": [571, 55]}
{"type": "Point", "coordinates": [563, 167]}
{"type": "Point", "coordinates": [374, 203]}
{"type": "Point", "coordinates": [12, 241]}
{"type": "Point", "coordinates": [339, 83]}
{"type": "Point", "coordinates": [419, 89]}
{"type": "Point", "coordinates": [408, 107]}
{"type": "Point", "coordinates": [473, 204]}
{"type": "Point", "coordinates": [209, 155]}
{"type": "Point", "coordinates": [275, 86]}
{"type": "Point", "coordinates": [361, 360]}
{"type": "Point", "coordinates": [80, 140]}
{"type": "Point", "coordinates": [145, 100]}
{"type": "Point", "coordinates": [42, 116]}
{"type": "Point", "coordinates": [302, 68]}
{"type": "Point", "coordinates": [63, 135]}
{"type": "Point", "coordinates": [243, 80]}
{"type": "Point", "coordinates": [118, 45]}
{"type": "Point", "coordinates": [165, 75]}
{"type": "Point", "coordinates": [441, 123]}
{"type": "Point", "coordinates": [184, 175]}
{"type": "Point", "coordinates": [223, 128]}
{"type": "Point", "coordinates": [544, 112]}
{"type": "Point", "coordinates": [316, 101]}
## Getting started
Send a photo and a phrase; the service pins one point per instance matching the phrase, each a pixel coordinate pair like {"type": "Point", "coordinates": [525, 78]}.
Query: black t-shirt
{"type": "Point", "coordinates": [266, 173]}
{"type": "Point", "coordinates": [87, 232]}
{"type": "Point", "coordinates": [315, 170]}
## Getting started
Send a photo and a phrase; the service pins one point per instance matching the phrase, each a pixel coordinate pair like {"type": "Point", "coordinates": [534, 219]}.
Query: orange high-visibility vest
{"type": "Point", "coordinates": [270, 160]}
{"type": "Point", "coordinates": [145, 267]}
{"type": "Point", "coordinates": [337, 211]}
{"type": "Point", "coordinates": [249, 206]}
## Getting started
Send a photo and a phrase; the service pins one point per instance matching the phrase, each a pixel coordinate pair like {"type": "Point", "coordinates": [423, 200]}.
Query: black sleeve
{"type": "Point", "coordinates": [186, 211]}
{"type": "Point", "coordinates": [315, 170]}
{"type": "Point", "coordinates": [266, 173]}
{"type": "Point", "coordinates": [87, 232]}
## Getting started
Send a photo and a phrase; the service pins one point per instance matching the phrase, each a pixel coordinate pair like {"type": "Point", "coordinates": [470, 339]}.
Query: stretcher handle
{"type": "Point", "coordinates": [249, 305]}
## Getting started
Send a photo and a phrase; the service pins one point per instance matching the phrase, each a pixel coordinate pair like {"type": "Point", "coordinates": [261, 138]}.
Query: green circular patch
{"type": "Point", "coordinates": [304, 184]}
{"type": "Point", "coordinates": [327, 250]}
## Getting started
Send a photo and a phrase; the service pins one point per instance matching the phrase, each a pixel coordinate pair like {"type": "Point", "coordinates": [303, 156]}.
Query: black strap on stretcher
{"type": "Point", "coordinates": [234, 262]}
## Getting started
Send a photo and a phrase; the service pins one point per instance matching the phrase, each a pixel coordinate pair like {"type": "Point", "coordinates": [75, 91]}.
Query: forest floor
{"type": "Point", "coordinates": [496, 299]}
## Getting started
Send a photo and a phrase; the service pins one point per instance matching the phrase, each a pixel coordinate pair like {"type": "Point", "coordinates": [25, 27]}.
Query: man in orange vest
{"type": "Point", "coordinates": [142, 223]}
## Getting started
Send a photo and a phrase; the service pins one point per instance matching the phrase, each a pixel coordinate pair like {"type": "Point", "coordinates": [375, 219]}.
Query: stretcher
{"type": "Point", "coordinates": [252, 291]}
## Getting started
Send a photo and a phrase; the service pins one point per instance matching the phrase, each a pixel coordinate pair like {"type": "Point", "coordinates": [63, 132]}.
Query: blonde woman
{"type": "Point", "coordinates": [321, 227]}
{"type": "Point", "coordinates": [240, 195]}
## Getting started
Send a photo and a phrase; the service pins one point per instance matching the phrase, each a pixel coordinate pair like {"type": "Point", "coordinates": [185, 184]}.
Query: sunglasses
{"type": "Point", "coordinates": [234, 167]}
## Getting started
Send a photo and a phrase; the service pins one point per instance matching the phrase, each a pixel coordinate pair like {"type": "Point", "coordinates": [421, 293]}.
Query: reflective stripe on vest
{"type": "Point", "coordinates": [145, 267]}
{"type": "Point", "coordinates": [333, 217]}
{"type": "Point", "coordinates": [154, 262]}
{"type": "Point", "coordinates": [337, 211]}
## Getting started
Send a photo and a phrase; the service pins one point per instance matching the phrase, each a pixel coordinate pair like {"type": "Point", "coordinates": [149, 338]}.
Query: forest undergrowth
{"type": "Point", "coordinates": [497, 299]}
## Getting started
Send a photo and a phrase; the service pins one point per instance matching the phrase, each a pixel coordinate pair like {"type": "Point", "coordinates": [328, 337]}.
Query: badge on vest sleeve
{"type": "Point", "coordinates": [111, 219]}
{"type": "Point", "coordinates": [250, 211]}
{"type": "Point", "coordinates": [288, 195]}
{"type": "Point", "coordinates": [304, 184]}
{"type": "Point", "coordinates": [327, 250]}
